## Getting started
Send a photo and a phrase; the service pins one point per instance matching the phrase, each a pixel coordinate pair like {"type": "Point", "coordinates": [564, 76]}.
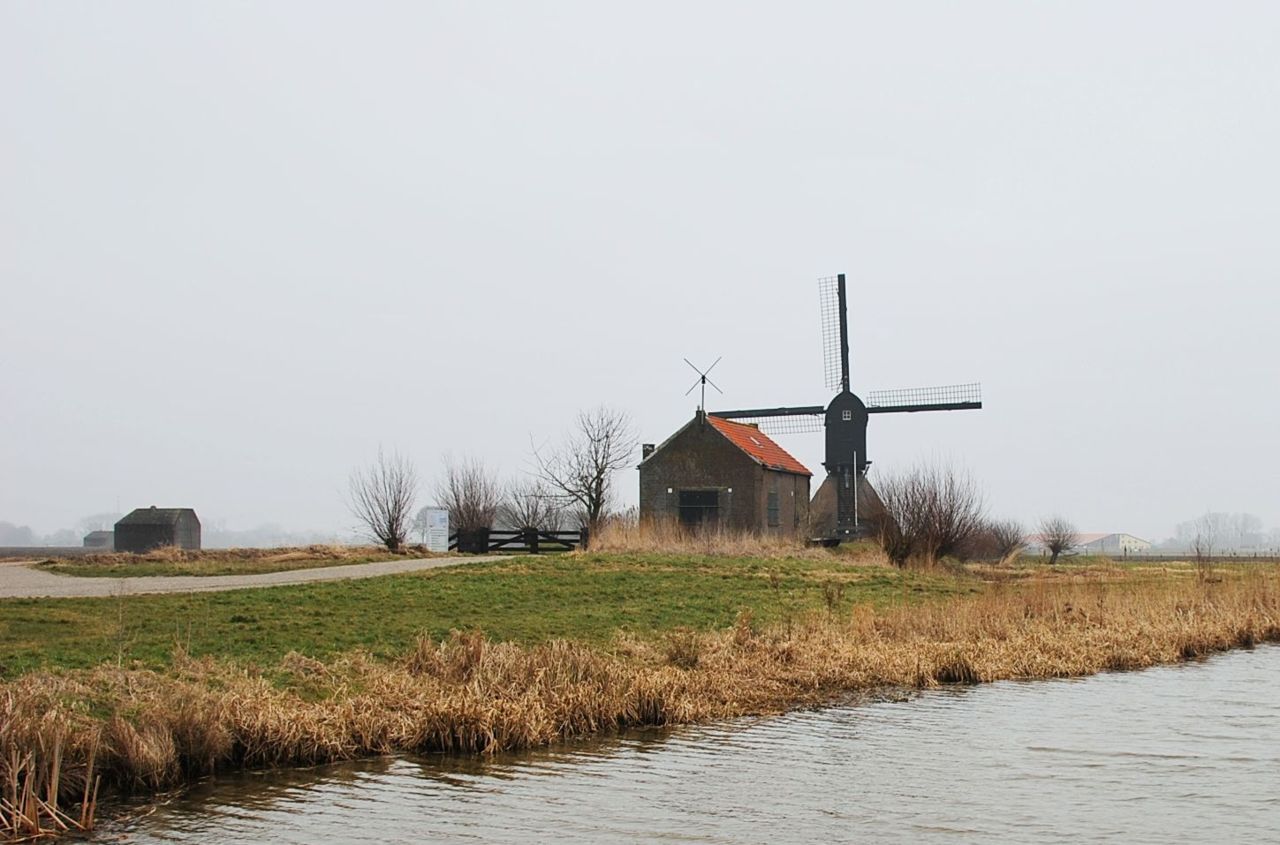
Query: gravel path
{"type": "Point", "coordinates": [19, 579]}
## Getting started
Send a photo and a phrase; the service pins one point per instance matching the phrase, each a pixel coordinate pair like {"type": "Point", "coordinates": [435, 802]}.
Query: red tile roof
{"type": "Point", "coordinates": [751, 440]}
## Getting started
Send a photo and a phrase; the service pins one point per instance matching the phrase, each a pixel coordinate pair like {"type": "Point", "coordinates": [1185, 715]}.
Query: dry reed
{"type": "Point", "coordinates": [468, 694]}
{"type": "Point", "coordinates": [40, 795]}
{"type": "Point", "coordinates": [647, 536]}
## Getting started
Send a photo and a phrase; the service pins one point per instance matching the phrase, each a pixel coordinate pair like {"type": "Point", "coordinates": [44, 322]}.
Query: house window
{"type": "Point", "coordinates": [847, 416]}
{"type": "Point", "coordinates": [775, 515]}
{"type": "Point", "coordinates": [699, 508]}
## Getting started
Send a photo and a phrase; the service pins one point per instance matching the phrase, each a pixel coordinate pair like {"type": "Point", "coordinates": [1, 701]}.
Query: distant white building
{"type": "Point", "coordinates": [1096, 544]}
{"type": "Point", "coordinates": [1112, 544]}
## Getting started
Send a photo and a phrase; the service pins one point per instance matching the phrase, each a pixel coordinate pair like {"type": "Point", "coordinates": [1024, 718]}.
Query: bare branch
{"type": "Point", "coordinates": [995, 539]}
{"type": "Point", "coordinates": [929, 512]}
{"type": "Point", "coordinates": [580, 471]}
{"type": "Point", "coordinates": [530, 503]}
{"type": "Point", "coordinates": [1009, 538]}
{"type": "Point", "coordinates": [381, 497]}
{"type": "Point", "coordinates": [470, 492]}
{"type": "Point", "coordinates": [1058, 534]}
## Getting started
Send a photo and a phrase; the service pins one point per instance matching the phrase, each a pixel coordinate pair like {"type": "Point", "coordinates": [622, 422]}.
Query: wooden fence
{"type": "Point", "coordinates": [522, 541]}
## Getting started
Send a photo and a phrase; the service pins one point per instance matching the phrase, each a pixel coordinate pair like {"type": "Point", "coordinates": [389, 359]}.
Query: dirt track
{"type": "Point", "coordinates": [19, 579]}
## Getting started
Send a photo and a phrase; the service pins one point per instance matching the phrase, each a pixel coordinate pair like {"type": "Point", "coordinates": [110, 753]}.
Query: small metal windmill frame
{"type": "Point", "coordinates": [702, 382]}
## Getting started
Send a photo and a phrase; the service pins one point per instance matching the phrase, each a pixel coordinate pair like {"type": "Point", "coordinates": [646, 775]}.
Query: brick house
{"type": "Point", "coordinates": [718, 473]}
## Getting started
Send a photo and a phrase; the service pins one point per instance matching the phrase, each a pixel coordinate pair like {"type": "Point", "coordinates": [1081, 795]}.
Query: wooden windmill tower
{"type": "Point", "coordinates": [845, 418]}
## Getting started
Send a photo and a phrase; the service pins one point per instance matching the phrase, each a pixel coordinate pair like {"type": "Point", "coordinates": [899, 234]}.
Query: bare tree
{"type": "Point", "coordinates": [421, 524]}
{"type": "Point", "coordinates": [929, 512]}
{"type": "Point", "coordinates": [530, 503]}
{"type": "Point", "coordinates": [1220, 531]}
{"type": "Point", "coordinates": [1009, 538]}
{"type": "Point", "coordinates": [895, 524]}
{"type": "Point", "coordinates": [1210, 530]}
{"type": "Point", "coordinates": [471, 493]}
{"type": "Point", "coordinates": [954, 510]}
{"type": "Point", "coordinates": [381, 497]}
{"type": "Point", "coordinates": [581, 469]}
{"type": "Point", "coordinates": [1246, 531]}
{"type": "Point", "coordinates": [1058, 534]}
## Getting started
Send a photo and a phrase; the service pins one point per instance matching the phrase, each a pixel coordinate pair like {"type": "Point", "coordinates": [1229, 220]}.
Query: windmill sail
{"type": "Point", "coordinates": [797, 420]}
{"type": "Point", "coordinates": [951, 397]}
{"type": "Point", "coordinates": [835, 337]}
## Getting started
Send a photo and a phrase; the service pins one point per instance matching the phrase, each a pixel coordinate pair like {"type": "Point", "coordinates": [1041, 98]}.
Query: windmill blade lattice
{"type": "Point", "coordinates": [794, 420]}
{"type": "Point", "coordinates": [809, 424]}
{"type": "Point", "coordinates": [944, 398]}
{"type": "Point", "coordinates": [829, 316]}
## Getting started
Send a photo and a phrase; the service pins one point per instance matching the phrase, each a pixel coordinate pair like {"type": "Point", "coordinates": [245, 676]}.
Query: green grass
{"type": "Point", "coordinates": [528, 600]}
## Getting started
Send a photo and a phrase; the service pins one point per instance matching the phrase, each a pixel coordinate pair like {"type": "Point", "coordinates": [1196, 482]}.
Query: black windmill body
{"type": "Point", "coordinates": [844, 419]}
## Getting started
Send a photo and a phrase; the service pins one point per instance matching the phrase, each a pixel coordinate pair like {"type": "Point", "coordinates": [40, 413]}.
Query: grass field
{"type": "Point", "coordinates": [526, 600]}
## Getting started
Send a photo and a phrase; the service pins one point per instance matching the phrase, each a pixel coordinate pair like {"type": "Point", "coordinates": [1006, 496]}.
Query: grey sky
{"type": "Point", "coordinates": [241, 245]}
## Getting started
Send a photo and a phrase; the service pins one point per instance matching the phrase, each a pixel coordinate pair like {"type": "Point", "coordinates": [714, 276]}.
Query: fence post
{"type": "Point", "coordinates": [531, 539]}
{"type": "Point", "coordinates": [584, 537]}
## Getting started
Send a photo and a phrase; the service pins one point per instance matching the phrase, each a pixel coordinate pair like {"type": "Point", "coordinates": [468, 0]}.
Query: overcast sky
{"type": "Point", "coordinates": [243, 245]}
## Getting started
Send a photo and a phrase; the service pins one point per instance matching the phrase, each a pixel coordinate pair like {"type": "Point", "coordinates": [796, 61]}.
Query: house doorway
{"type": "Point", "coordinates": [700, 508]}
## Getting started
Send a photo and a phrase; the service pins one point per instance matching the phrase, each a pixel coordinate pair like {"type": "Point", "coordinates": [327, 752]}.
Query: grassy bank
{"type": "Point", "coordinates": [174, 561]}
{"type": "Point", "coordinates": [647, 641]}
{"type": "Point", "coordinates": [586, 598]}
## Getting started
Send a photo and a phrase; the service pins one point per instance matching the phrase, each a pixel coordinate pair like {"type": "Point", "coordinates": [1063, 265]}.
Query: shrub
{"type": "Point", "coordinates": [929, 512]}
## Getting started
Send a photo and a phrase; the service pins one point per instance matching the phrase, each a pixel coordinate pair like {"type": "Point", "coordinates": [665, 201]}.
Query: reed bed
{"type": "Point", "coordinates": [668, 537]}
{"type": "Point", "coordinates": [144, 731]}
{"type": "Point", "coordinates": [38, 796]}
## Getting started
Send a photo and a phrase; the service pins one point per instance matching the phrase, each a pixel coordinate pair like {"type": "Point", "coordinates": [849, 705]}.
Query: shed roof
{"type": "Point", "coordinates": [757, 444]}
{"type": "Point", "coordinates": [155, 516]}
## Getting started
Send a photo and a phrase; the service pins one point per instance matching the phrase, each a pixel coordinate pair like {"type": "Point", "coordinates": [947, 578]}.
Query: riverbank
{"type": "Point", "coordinates": [837, 627]}
{"type": "Point", "coordinates": [1181, 753]}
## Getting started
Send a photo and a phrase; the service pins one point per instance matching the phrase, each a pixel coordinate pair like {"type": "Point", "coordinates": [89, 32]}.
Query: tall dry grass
{"type": "Point", "coordinates": [40, 794]}
{"type": "Point", "coordinates": [468, 694]}
{"type": "Point", "coordinates": [662, 536]}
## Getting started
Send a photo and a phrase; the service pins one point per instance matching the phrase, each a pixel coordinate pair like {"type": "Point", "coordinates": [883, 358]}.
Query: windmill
{"type": "Point", "coordinates": [845, 418]}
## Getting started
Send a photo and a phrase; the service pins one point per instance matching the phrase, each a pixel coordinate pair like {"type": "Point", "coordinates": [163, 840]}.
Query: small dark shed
{"type": "Point", "coordinates": [149, 528]}
{"type": "Point", "coordinates": [718, 473]}
{"type": "Point", "coordinates": [99, 540]}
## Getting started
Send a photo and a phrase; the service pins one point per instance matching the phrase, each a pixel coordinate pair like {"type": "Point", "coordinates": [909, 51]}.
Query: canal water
{"type": "Point", "coordinates": [1187, 753]}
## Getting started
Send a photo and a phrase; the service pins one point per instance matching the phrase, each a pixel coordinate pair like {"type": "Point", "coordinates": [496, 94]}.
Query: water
{"type": "Point", "coordinates": [1179, 754]}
